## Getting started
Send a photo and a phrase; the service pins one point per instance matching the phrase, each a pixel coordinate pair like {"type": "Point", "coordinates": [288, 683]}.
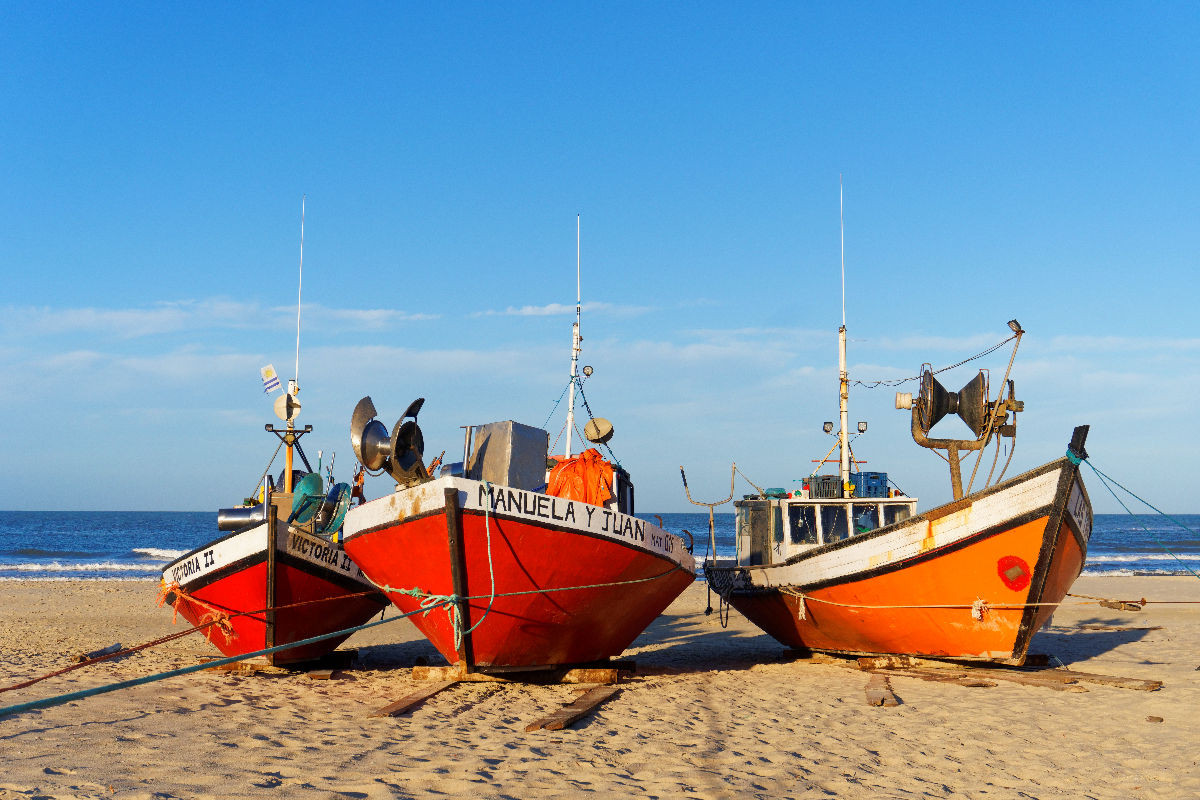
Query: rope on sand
{"type": "Point", "coordinates": [217, 616]}
{"type": "Point", "coordinates": [59, 700]}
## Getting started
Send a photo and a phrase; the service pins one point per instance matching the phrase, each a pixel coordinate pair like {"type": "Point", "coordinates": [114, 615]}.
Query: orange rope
{"type": "Point", "coordinates": [216, 616]}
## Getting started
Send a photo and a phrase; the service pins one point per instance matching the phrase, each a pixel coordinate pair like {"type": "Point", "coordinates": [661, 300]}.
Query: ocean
{"type": "Point", "coordinates": [134, 545]}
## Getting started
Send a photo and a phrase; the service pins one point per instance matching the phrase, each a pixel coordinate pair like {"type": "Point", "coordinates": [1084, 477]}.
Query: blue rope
{"type": "Point", "coordinates": [560, 397]}
{"type": "Point", "coordinates": [1105, 480]}
{"type": "Point", "coordinates": [59, 700]}
{"type": "Point", "coordinates": [487, 525]}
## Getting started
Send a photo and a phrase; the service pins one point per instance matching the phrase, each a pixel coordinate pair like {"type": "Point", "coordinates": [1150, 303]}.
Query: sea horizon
{"type": "Point", "coordinates": [136, 545]}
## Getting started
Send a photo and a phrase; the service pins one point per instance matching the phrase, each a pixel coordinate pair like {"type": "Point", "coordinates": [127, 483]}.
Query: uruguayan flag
{"type": "Point", "coordinates": [270, 379]}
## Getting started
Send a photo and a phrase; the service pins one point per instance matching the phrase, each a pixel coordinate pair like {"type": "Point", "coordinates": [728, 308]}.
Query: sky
{"type": "Point", "coordinates": [1028, 161]}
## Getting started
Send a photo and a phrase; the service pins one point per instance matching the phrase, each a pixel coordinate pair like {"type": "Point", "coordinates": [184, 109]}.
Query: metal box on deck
{"type": "Point", "coordinates": [825, 486]}
{"type": "Point", "coordinates": [509, 454]}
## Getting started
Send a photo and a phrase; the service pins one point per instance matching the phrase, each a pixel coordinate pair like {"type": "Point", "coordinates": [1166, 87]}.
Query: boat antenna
{"type": "Point", "coordinates": [842, 220]}
{"type": "Point", "coordinates": [843, 377]}
{"type": "Point", "coordinates": [575, 340]}
{"type": "Point", "coordinates": [299, 287]}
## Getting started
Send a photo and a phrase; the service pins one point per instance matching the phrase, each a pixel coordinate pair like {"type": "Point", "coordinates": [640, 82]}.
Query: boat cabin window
{"type": "Point", "coordinates": [866, 518]}
{"type": "Point", "coordinates": [777, 523]}
{"type": "Point", "coordinates": [833, 523]}
{"type": "Point", "coordinates": [896, 513]}
{"type": "Point", "coordinates": [753, 545]}
{"type": "Point", "coordinates": [802, 523]}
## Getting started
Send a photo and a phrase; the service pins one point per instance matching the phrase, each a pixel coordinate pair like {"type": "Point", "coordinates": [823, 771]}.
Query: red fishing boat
{"type": "Point", "coordinates": [541, 559]}
{"type": "Point", "coordinates": [278, 575]}
{"type": "Point", "coordinates": [846, 565]}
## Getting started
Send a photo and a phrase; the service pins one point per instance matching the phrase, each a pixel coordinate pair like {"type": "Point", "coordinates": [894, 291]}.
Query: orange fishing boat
{"type": "Point", "coordinates": [846, 565]}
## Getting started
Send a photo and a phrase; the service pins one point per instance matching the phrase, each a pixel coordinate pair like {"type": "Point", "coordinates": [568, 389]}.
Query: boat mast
{"type": "Point", "coordinates": [843, 378]}
{"type": "Point", "coordinates": [575, 340]}
{"type": "Point", "coordinates": [294, 384]}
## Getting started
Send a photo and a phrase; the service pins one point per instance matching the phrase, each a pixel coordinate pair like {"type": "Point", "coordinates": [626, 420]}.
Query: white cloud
{"type": "Point", "coordinates": [190, 315]}
{"type": "Point", "coordinates": [560, 309]}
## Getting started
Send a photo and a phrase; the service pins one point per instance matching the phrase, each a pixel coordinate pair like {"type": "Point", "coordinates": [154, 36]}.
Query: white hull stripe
{"type": "Point", "coordinates": [226, 553]}
{"type": "Point", "coordinates": [517, 504]}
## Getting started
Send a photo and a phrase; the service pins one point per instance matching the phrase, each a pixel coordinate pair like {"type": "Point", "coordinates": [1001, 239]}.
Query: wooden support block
{"type": "Point", "coordinates": [411, 701]}
{"type": "Point", "coordinates": [879, 691]}
{"type": "Point", "coordinates": [320, 674]}
{"type": "Point", "coordinates": [943, 676]}
{"type": "Point", "coordinates": [570, 714]}
{"type": "Point", "coordinates": [251, 666]}
{"type": "Point", "coordinates": [456, 673]}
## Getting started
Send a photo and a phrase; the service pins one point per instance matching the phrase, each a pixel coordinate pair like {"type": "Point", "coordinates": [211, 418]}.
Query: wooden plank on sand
{"type": "Point", "coordinates": [454, 672]}
{"type": "Point", "coordinates": [879, 691]}
{"type": "Point", "coordinates": [986, 677]}
{"type": "Point", "coordinates": [1138, 684]}
{"type": "Point", "coordinates": [570, 714]}
{"type": "Point", "coordinates": [411, 701]}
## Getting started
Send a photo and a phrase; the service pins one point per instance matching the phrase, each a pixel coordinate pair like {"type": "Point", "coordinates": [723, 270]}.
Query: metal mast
{"type": "Point", "coordinates": [844, 379]}
{"type": "Point", "coordinates": [294, 384]}
{"type": "Point", "coordinates": [575, 340]}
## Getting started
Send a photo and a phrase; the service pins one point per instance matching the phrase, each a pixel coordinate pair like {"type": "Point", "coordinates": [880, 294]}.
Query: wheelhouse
{"type": "Point", "coordinates": [771, 530]}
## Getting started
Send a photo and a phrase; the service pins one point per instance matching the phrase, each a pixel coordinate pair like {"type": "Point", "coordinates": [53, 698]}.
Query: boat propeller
{"type": "Point", "coordinates": [398, 453]}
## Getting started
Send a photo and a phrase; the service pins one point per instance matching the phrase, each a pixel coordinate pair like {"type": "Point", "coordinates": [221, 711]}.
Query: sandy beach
{"type": "Point", "coordinates": [714, 712]}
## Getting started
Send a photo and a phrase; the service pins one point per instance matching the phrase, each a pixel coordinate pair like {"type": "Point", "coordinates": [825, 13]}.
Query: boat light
{"type": "Point", "coordinates": [862, 427]}
{"type": "Point", "coordinates": [827, 427]}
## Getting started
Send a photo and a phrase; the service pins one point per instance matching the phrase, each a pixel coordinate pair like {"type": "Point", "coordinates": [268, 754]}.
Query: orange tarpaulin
{"type": "Point", "coordinates": [586, 477]}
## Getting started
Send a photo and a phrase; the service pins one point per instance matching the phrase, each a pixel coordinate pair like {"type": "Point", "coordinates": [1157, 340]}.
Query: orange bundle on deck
{"type": "Point", "coordinates": [586, 477]}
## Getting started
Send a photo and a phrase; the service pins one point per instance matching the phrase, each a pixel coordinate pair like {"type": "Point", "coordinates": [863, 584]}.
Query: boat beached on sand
{"type": "Point", "coordinates": [278, 575]}
{"type": "Point", "coordinates": [846, 565]}
{"type": "Point", "coordinates": [541, 557]}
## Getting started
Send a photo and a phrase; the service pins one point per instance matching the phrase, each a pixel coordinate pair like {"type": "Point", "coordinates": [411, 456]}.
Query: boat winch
{"type": "Point", "coordinates": [399, 453]}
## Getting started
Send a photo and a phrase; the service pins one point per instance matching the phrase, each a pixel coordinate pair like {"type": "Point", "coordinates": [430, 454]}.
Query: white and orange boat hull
{"type": "Point", "coordinates": [972, 580]}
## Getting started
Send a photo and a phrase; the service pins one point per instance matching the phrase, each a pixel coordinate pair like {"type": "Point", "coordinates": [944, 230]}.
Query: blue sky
{"type": "Point", "coordinates": [1036, 161]}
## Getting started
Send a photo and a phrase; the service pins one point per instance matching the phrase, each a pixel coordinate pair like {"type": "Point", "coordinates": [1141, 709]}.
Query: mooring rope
{"type": "Point", "coordinates": [450, 602]}
{"type": "Point", "coordinates": [1105, 479]}
{"type": "Point", "coordinates": [58, 700]}
{"type": "Point", "coordinates": [487, 526]}
{"type": "Point", "coordinates": [226, 615]}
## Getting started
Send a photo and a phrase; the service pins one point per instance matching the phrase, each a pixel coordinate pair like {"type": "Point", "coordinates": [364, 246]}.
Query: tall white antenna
{"type": "Point", "coordinates": [578, 295]}
{"type": "Point", "coordinates": [843, 376]}
{"type": "Point", "coordinates": [299, 288]}
{"type": "Point", "coordinates": [575, 340]}
{"type": "Point", "coordinates": [842, 219]}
